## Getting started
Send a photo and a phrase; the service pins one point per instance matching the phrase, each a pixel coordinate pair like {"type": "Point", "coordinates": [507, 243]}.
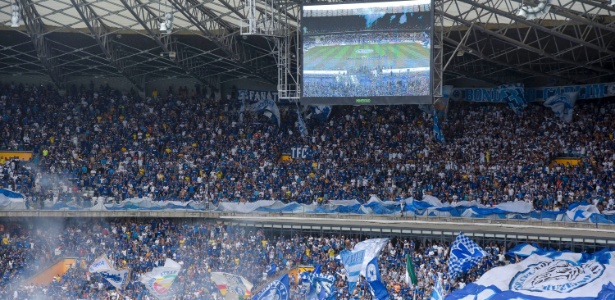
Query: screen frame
{"type": "Point", "coordinates": [367, 100]}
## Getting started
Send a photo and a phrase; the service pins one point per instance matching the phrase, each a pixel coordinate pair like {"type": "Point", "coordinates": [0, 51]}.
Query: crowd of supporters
{"type": "Point", "coordinates": [202, 248]}
{"type": "Point", "coordinates": [362, 38]}
{"type": "Point", "coordinates": [97, 143]}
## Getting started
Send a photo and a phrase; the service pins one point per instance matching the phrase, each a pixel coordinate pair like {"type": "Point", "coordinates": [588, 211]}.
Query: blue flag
{"type": "Point", "coordinates": [465, 254]}
{"type": "Point", "coordinates": [272, 269]}
{"type": "Point", "coordinates": [320, 286]}
{"type": "Point", "coordinates": [438, 291]}
{"type": "Point", "coordinates": [372, 274]}
{"type": "Point", "coordinates": [321, 112]}
{"type": "Point", "coordinates": [352, 264]}
{"type": "Point", "coordinates": [513, 94]}
{"type": "Point", "coordinates": [437, 130]}
{"type": "Point", "coordinates": [279, 289]}
{"type": "Point", "coordinates": [562, 105]}
{"type": "Point", "coordinates": [268, 108]}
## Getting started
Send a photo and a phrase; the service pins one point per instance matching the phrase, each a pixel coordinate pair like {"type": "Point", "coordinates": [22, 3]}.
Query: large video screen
{"type": "Point", "coordinates": [367, 53]}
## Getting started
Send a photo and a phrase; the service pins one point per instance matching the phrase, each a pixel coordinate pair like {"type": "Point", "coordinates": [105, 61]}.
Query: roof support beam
{"type": "Point", "coordinates": [511, 41]}
{"type": "Point", "coordinates": [36, 29]}
{"type": "Point", "coordinates": [223, 34]}
{"type": "Point", "coordinates": [101, 34]}
{"type": "Point", "coordinates": [149, 21]}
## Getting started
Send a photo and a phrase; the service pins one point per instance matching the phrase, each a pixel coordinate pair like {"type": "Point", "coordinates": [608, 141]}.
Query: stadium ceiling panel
{"type": "Point", "coordinates": [495, 41]}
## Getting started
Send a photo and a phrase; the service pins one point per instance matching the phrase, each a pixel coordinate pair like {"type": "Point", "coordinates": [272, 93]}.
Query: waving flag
{"type": "Point", "coordinates": [117, 278]}
{"type": "Point", "coordinates": [268, 108]}
{"type": "Point", "coordinates": [582, 212]}
{"type": "Point", "coordinates": [513, 94]}
{"type": "Point", "coordinates": [410, 274]}
{"type": "Point", "coordinates": [353, 262]}
{"type": "Point", "coordinates": [102, 263]}
{"type": "Point", "coordinates": [562, 105]}
{"type": "Point", "coordinates": [437, 130]}
{"type": "Point", "coordinates": [321, 112]}
{"type": "Point", "coordinates": [7, 197]}
{"type": "Point", "coordinates": [320, 286]}
{"type": "Point", "coordinates": [372, 248]}
{"type": "Point", "coordinates": [301, 124]}
{"type": "Point", "coordinates": [279, 289]}
{"type": "Point", "coordinates": [375, 282]}
{"type": "Point", "coordinates": [272, 269]}
{"type": "Point", "coordinates": [465, 254]}
{"type": "Point", "coordinates": [160, 279]}
{"type": "Point", "coordinates": [558, 275]}
{"type": "Point", "coordinates": [232, 286]}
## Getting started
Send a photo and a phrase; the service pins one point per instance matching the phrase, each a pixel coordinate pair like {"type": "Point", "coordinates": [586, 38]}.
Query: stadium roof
{"type": "Point", "coordinates": [484, 39]}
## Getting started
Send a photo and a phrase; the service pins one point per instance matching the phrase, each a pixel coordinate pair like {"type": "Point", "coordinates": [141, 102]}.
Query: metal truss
{"type": "Point", "coordinates": [438, 49]}
{"type": "Point", "coordinates": [36, 30]}
{"type": "Point", "coordinates": [223, 34]}
{"type": "Point", "coordinates": [101, 33]}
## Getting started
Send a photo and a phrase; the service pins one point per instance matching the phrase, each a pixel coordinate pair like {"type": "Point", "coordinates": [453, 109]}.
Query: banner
{"type": "Point", "coordinates": [539, 94]}
{"type": "Point", "coordinates": [513, 95]}
{"type": "Point", "coordinates": [375, 281]}
{"type": "Point", "coordinates": [319, 286]}
{"type": "Point", "coordinates": [300, 152]}
{"type": "Point", "coordinates": [117, 278]}
{"type": "Point", "coordinates": [559, 275]}
{"type": "Point", "coordinates": [465, 254]}
{"type": "Point", "coordinates": [232, 286]}
{"type": "Point", "coordinates": [353, 262]}
{"type": "Point", "coordinates": [160, 279]}
{"type": "Point", "coordinates": [253, 96]}
{"type": "Point", "coordinates": [8, 197]}
{"type": "Point", "coordinates": [301, 124]}
{"type": "Point", "coordinates": [102, 263]}
{"type": "Point", "coordinates": [562, 105]}
{"type": "Point", "coordinates": [438, 291]}
{"type": "Point", "coordinates": [278, 289]}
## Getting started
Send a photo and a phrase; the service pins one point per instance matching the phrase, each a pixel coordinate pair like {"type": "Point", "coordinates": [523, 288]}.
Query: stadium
{"type": "Point", "coordinates": [164, 149]}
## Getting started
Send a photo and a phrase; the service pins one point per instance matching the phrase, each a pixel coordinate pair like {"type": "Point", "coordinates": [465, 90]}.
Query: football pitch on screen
{"type": "Point", "coordinates": [341, 57]}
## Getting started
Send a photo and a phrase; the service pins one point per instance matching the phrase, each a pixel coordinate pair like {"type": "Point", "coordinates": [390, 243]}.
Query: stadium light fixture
{"type": "Point", "coordinates": [15, 15]}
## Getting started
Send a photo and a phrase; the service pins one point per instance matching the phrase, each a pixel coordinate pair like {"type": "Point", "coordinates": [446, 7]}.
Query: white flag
{"type": "Point", "coordinates": [102, 263]}
{"type": "Point", "coordinates": [160, 279]}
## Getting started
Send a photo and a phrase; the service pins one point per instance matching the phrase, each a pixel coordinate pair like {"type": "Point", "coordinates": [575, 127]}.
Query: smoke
{"type": "Point", "coordinates": [50, 183]}
{"type": "Point", "coordinates": [403, 19]}
{"type": "Point", "coordinates": [371, 16]}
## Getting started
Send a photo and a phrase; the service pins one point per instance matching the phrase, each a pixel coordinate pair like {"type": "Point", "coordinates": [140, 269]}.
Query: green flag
{"type": "Point", "coordinates": [410, 275]}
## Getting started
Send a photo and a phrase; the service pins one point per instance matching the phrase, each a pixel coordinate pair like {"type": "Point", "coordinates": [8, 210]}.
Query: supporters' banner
{"type": "Point", "coordinates": [571, 276]}
{"type": "Point", "coordinates": [253, 96]}
{"type": "Point", "coordinates": [353, 262]}
{"type": "Point", "coordinates": [159, 281]}
{"type": "Point", "coordinates": [299, 152]}
{"type": "Point", "coordinates": [268, 108]}
{"type": "Point", "coordinates": [11, 200]}
{"type": "Point", "coordinates": [410, 274]}
{"type": "Point", "coordinates": [117, 278]}
{"type": "Point", "coordinates": [437, 130]}
{"type": "Point", "coordinates": [301, 124]}
{"type": "Point", "coordinates": [535, 12]}
{"type": "Point", "coordinates": [102, 263]}
{"type": "Point", "coordinates": [232, 286]}
{"type": "Point", "coordinates": [320, 286]}
{"type": "Point", "coordinates": [513, 95]}
{"type": "Point", "coordinates": [465, 254]}
{"type": "Point", "coordinates": [539, 94]}
{"type": "Point", "coordinates": [372, 248]}
{"type": "Point", "coordinates": [279, 289]}
{"type": "Point", "coordinates": [582, 212]}
{"type": "Point", "coordinates": [375, 282]}
{"type": "Point", "coordinates": [562, 105]}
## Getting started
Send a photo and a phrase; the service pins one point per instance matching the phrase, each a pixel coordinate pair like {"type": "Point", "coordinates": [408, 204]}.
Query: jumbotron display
{"type": "Point", "coordinates": [367, 53]}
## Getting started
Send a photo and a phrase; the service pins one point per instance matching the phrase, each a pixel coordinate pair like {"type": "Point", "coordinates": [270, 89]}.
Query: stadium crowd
{"type": "Point", "coordinates": [99, 144]}
{"type": "Point", "coordinates": [362, 38]}
{"type": "Point", "coordinates": [362, 81]}
{"type": "Point", "coordinates": [202, 248]}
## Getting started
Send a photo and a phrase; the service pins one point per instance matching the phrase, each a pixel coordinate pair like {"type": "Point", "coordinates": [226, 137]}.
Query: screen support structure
{"type": "Point", "coordinates": [275, 21]}
{"type": "Point", "coordinates": [438, 49]}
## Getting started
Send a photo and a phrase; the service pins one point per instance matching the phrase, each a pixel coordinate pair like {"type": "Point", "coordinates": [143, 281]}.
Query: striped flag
{"type": "Point", "coordinates": [353, 261]}
{"type": "Point", "coordinates": [410, 274]}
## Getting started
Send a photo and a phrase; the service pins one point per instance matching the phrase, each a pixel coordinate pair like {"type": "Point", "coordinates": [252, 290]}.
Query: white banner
{"type": "Point", "coordinates": [160, 279]}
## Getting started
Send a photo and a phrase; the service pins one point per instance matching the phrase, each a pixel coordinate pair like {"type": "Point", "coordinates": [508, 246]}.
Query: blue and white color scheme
{"type": "Point", "coordinates": [535, 12]}
{"type": "Point", "coordinates": [353, 261]}
{"type": "Point", "coordinates": [582, 212]}
{"type": "Point", "coordinates": [375, 282]}
{"type": "Point", "coordinates": [272, 269]}
{"type": "Point", "coordinates": [319, 286]}
{"type": "Point", "coordinates": [279, 289]}
{"type": "Point", "coordinates": [437, 130]}
{"type": "Point", "coordinates": [117, 278]}
{"type": "Point", "coordinates": [7, 197]}
{"type": "Point", "coordinates": [268, 108]}
{"type": "Point", "coordinates": [102, 263]}
{"type": "Point", "coordinates": [438, 291]}
{"type": "Point", "coordinates": [301, 124]}
{"type": "Point", "coordinates": [465, 254]}
{"type": "Point", "coordinates": [321, 112]}
{"type": "Point", "coordinates": [562, 105]}
{"type": "Point", "coordinates": [554, 275]}
{"type": "Point", "coordinates": [372, 248]}
{"type": "Point", "coordinates": [253, 96]}
{"type": "Point", "coordinates": [513, 95]}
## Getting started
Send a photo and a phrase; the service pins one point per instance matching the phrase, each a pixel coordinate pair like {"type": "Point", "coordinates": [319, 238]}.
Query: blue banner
{"type": "Point", "coordinates": [465, 254]}
{"type": "Point", "coordinates": [513, 95]}
{"type": "Point", "coordinates": [562, 105]}
{"type": "Point", "coordinates": [437, 129]}
{"type": "Point", "coordinates": [352, 263]}
{"type": "Point", "coordinates": [539, 94]}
